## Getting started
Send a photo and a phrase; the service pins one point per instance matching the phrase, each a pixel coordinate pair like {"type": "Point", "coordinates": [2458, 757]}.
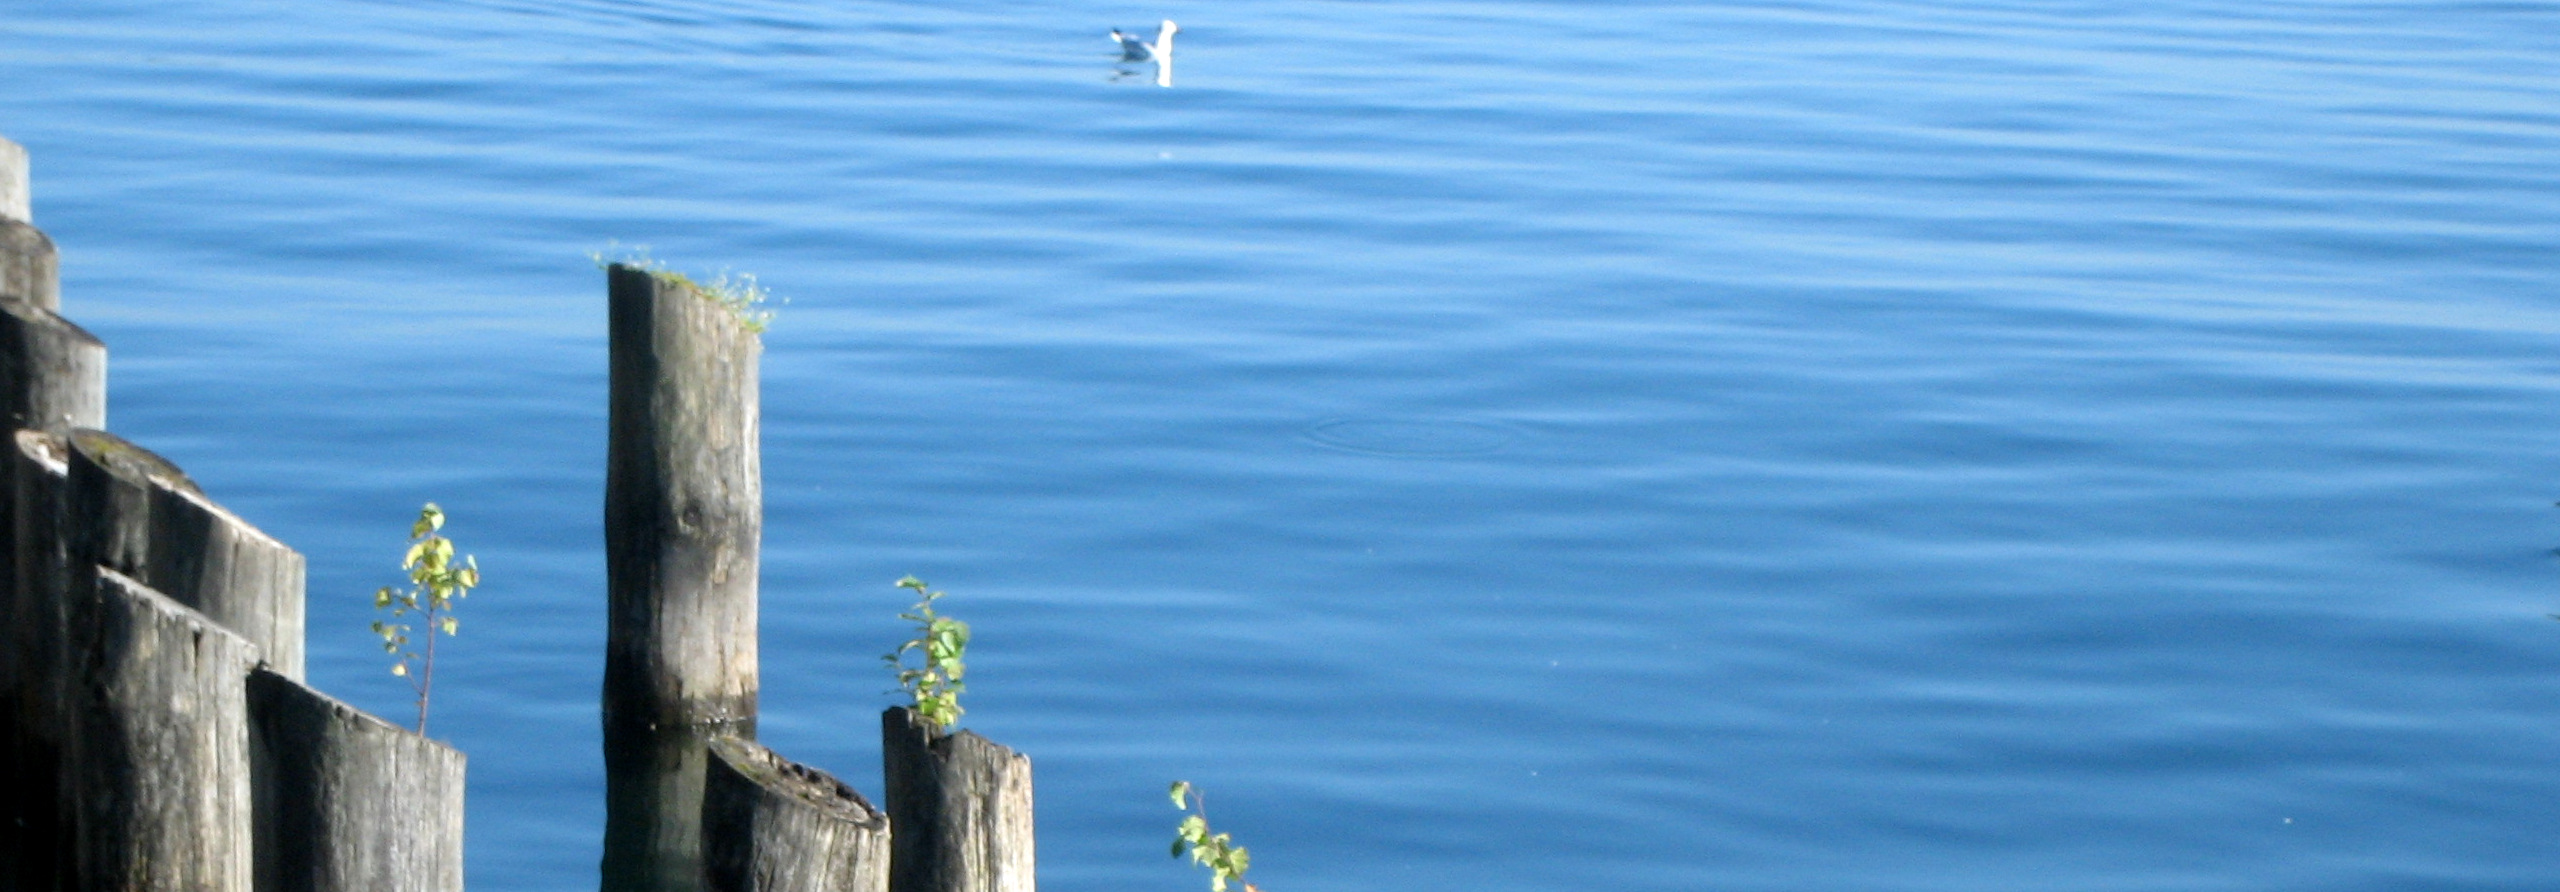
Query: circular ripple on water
{"type": "Point", "coordinates": [1412, 437]}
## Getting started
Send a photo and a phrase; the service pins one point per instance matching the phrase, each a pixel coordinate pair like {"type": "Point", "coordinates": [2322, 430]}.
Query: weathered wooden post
{"type": "Point", "coordinates": [53, 374]}
{"type": "Point", "coordinates": [347, 802]}
{"type": "Point", "coordinates": [13, 183]}
{"type": "Point", "coordinates": [684, 509]}
{"type": "Point", "coordinates": [145, 519]}
{"type": "Point", "coordinates": [159, 708]}
{"type": "Point", "coordinates": [30, 268]}
{"type": "Point", "coordinates": [52, 377]}
{"type": "Point", "coordinates": [959, 809]}
{"type": "Point", "coordinates": [35, 588]}
{"type": "Point", "coordinates": [28, 264]}
{"type": "Point", "coordinates": [773, 825]}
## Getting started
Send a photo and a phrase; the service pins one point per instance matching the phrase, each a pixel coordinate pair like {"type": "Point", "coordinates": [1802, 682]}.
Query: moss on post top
{"type": "Point", "coordinates": [736, 292]}
{"type": "Point", "coordinates": [129, 462]}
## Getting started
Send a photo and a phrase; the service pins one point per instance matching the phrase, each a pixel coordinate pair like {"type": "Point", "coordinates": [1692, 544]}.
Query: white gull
{"type": "Point", "coordinates": [1134, 50]}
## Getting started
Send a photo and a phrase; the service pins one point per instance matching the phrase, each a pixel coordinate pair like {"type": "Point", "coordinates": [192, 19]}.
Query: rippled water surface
{"type": "Point", "coordinates": [1493, 446]}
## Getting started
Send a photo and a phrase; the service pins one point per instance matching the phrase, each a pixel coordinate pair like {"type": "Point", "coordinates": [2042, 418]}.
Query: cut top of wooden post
{"type": "Point", "coordinates": [349, 801]}
{"type": "Point", "coordinates": [128, 461]}
{"type": "Point", "coordinates": [816, 789]}
{"type": "Point", "coordinates": [773, 825]}
{"type": "Point", "coordinates": [13, 182]}
{"type": "Point", "coordinates": [143, 517]}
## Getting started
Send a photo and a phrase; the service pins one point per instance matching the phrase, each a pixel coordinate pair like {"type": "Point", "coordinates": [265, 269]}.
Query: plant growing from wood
{"type": "Point", "coordinates": [435, 582]}
{"type": "Point", "coordinates": [736, 292]}
{"type": "Point", "coordinates": [1218, 852]}
{"type": "Point", "coordinates": [935, 685]}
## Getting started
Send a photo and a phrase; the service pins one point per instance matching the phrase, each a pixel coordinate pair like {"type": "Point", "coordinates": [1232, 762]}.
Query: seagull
{"type": "Point", "coordinates": [1135, 50]}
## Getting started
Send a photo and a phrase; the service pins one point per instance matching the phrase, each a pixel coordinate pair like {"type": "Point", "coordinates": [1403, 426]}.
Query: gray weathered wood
{"type": "Point", "coordinates": [160, 743]}
{"type": "Point", "coordinates": [684, 509]}
{"type": "Point", "coordinates": [30, 268]}
{"type": "Point", "coordinates": [773, 825]}
{"type": "Point", "coordinates": [52, 378]}
{"type": "Point", "coordinates": [14, 192]}
{"type": "Point", "coordinates": [53, 374]}
{"type": "Point", "coordinates": [232, 571]}
{"type": "Point", "coordinates": [347, 802]}
{"type": "Point", "coordinates": [651, 843]}
{"type": "Point", "coordinates": [32, 669]}
{"type": "Point", "coordinates": [959, 809]}
{"type": "Point", "coordinates": [142, 517]}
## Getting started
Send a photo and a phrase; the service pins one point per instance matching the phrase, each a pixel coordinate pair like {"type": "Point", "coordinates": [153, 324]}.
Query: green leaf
{"type": "Point", "coordinates": [933, 686]}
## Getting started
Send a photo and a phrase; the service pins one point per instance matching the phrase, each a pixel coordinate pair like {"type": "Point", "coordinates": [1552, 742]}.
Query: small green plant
{"type": "Point", "coordinates": [1218, 852]}
{"type": "Point", "coordinates": [736, 292]}
{"type": "Point", "coordinates": [935, 685]}
{"type": "Point", "coordinates": [435, 582]}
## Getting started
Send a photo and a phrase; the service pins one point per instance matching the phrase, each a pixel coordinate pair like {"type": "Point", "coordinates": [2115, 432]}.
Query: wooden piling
{"type": "Point", "coordinates": [347, 802]}
{"type": "Point", "coordinates": [159, 709]}
{"type": "Point", "coordinates": [773, 825]}
{"type": "Point", "coordinates": [142, 517]}
{"type": "Point", "coordinates": [33, 600]}
{"type": "Point", "coordinates": [30, 267]}
{"type": "Point", "coordinates": [28, 263]}
{"type": "Point", "coordinates": [684, 509]}
{"type": "Point", "coordinates": [52, 378]}
{"type": "Point", "coordinates": [13, 183]}
{"type": "Point", "coordinates": [53, 374]}
{"type": "Point", "coordinates": [959, 809]}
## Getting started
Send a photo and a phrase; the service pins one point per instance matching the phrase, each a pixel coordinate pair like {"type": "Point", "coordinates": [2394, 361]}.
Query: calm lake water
{"type": "Point", "coordinates": [1850, 445]}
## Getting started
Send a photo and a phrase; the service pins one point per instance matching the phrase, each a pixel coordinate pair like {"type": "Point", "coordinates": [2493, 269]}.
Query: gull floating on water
{"type": "Point", "coordinates": [1159, 52]}
{"type": "Point", "coordinates": [1134, 50]}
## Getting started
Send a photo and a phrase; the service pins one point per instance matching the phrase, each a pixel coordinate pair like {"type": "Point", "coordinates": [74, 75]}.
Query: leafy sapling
{"type": "Point", "coordinates": [1218, 852]}
{"type": "Point", "coordinates": [435, 582]}
{"type": "Point", "coordinates": [935, 686]}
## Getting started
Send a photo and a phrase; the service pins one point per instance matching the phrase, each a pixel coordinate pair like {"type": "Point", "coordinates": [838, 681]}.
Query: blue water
{"type": "Point", "coordinates": [1850, 445]}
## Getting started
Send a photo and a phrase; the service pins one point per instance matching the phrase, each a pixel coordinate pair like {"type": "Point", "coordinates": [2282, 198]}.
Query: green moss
{"type": "Point", "coordinates": [736, 292]}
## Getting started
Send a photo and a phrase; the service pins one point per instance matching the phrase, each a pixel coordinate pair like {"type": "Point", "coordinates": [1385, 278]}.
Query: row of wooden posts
{"type": "Point", "coordinates": [156, 732]}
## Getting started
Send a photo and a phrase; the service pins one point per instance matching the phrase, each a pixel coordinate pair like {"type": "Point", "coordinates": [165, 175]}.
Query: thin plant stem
{"type": "Point", "coordinates": [427, 672]}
